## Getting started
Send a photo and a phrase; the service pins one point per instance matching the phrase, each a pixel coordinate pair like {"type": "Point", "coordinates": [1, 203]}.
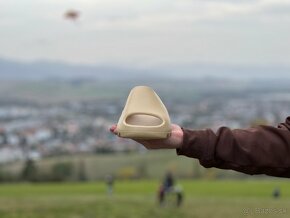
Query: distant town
{"type": "Point", "coordinates": [34, 130]}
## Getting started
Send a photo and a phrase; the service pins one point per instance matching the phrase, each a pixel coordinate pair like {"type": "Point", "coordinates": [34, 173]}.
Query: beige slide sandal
{"type": "Point", "coordinates": [144, 116]}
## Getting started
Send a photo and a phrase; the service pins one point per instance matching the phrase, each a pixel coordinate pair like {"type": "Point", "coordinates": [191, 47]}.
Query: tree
{"type": "Point", "coordinates": [62, 171]}
{"type": "Point", "coordinates": [82, 171]}
{"type": "Point", "coordinates": [29, 172]}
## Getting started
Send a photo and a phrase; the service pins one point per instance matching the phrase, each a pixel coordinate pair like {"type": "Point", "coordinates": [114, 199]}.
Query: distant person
{"type": "Point", "coordinates": [110, 184]}
{"type": "Point", "coordinates": [168, 187]}
{"type": "Point", "coordinates": [161, 195]}
{"type": "Point", "coordinates": [179, 194]}
{"type": "Point", "coordinates": [276, 193]}
{"type": "Point", "coordinates": [168, 182]}
{"type": "Point", "coordinates": [259, 150]}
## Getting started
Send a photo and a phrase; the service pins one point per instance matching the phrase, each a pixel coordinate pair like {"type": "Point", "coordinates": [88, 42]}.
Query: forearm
{"type": "Point", "coordinates": [261, 150]}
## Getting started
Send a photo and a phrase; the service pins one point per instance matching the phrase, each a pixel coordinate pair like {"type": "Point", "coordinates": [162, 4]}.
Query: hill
{"type": "Point", "coordinates": [40, 70]}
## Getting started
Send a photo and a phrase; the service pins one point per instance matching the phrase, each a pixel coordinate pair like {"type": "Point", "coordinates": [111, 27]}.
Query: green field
{"type": "Point", "coordinates": [131, 199]}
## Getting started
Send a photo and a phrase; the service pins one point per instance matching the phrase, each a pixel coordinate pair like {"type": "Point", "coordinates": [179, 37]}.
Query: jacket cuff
{"type": "Point", "coordinates": [195, 144]}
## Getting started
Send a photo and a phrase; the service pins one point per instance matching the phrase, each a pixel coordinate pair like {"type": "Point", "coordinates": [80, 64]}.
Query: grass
{"type": "Point", "coordinates": [131, 199]}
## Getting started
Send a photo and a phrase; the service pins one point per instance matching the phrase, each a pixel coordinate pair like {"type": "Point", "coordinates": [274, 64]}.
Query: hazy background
{"type": "Point", "coordinates": [66, 68]}
{"type": "Point", "coordinates": [187, 38]}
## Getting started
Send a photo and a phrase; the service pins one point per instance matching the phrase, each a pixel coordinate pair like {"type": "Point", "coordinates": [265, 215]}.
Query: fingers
{"type": "Point", "coordinates": [113, 129]}
{"type": "Point", "coordinates": [174, 141]}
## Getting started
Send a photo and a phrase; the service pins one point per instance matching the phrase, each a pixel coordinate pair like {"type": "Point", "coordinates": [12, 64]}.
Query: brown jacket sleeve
{"type": "Point", "coordinates": [261, 150]}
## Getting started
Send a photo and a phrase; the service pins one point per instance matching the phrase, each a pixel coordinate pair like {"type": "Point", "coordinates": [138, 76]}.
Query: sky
{"type": "Point", "coordinates": [146, 33]}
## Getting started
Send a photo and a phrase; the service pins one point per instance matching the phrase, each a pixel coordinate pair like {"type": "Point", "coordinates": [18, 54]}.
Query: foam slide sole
{"type": "Point", "coordinates": [144, 116]}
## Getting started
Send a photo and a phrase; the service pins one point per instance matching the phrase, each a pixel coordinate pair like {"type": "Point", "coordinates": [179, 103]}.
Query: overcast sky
{"type": "Point", "coordinates": [148, 32]}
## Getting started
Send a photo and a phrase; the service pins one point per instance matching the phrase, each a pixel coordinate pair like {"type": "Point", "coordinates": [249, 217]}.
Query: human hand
{"type": "Point", "coordinates": [174, 141]}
